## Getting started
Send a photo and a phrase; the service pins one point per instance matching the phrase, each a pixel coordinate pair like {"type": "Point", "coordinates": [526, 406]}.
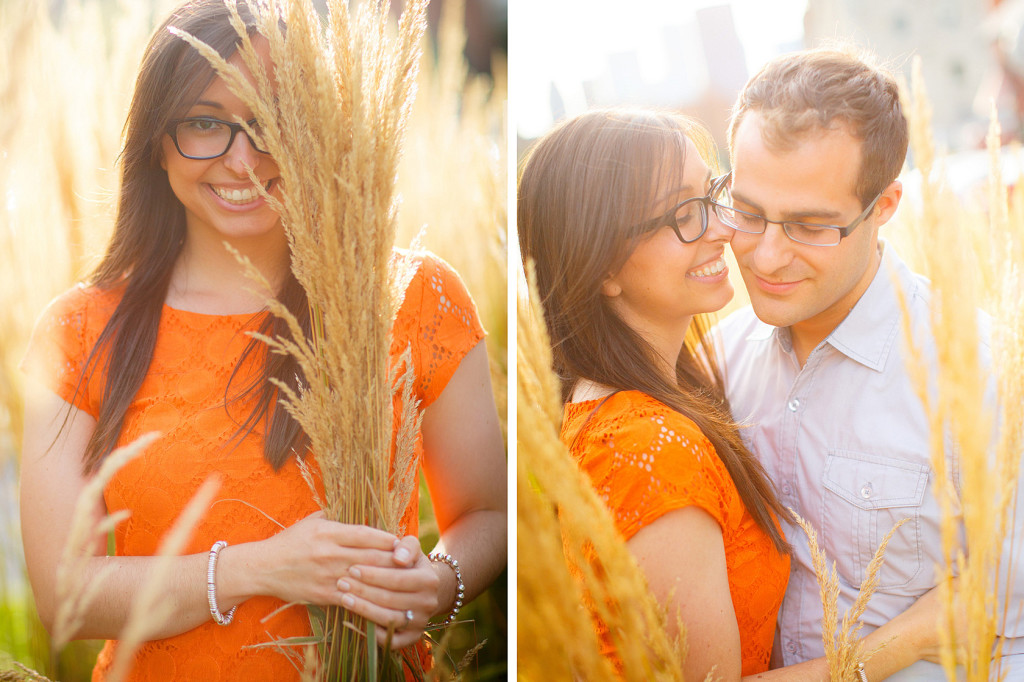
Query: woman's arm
{"type": "Point", "coordinates": [682, 555]}
{"type": "Point", "coordinates": [465, 468]}
{"type": "Point", "coordinates": [302, 563]}
{"type": "Point", "coordinates": [466, 471]}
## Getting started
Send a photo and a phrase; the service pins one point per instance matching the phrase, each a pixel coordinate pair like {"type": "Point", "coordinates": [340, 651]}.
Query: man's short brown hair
{"type": "Point", "coordinates": [802, 92]}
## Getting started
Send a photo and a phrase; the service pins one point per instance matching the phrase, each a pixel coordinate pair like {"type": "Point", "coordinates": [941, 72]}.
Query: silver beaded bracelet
{"type": "Point", "coordinates": [460, 593]}
{"type": "Point", "coordinates": [211, 591]}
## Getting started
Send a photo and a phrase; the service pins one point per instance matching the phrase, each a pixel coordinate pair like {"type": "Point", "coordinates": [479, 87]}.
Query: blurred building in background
{"type": "Point", "coordinates": [969, 51]}
{"type": "Point", "coordinates": [949, 36]}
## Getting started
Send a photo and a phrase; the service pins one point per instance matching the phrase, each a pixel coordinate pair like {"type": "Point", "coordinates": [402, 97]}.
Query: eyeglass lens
{"type": "Point", "coordinates": [751, 223]}
{"type": "Point", "coordinates": [691, 221]}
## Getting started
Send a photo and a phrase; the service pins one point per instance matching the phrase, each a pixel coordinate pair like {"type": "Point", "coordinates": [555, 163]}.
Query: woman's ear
{"type": "Point", "coordinates": [610, 287]}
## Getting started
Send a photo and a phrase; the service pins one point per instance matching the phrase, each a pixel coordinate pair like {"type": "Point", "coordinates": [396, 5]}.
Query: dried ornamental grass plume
{"type": "Point", "coordinates": [150, 610]}
{"type": "Point", "coordinates": [73, 591]}
{"type": "Point", "coordinates": [457, 140]}
{"type": "Point", "coordinates": [959, 394]}
{"type": "Point", "coordinates": [843, 646]}
{"type": "Point", "coordinates": [57, 149]}
{"type": "Point", "coordinates": [349, 86]}
{"type": "Point", "coordinates": [22, 673]}
{"type": "Point", "coordinates": [561, 521]}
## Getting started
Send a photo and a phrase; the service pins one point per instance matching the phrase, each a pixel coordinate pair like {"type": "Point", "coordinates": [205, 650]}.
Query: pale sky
{"type": "Point", "coordinates": [569, 41]}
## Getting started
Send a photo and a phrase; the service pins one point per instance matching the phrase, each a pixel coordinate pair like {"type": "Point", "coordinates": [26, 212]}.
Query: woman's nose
{"type": "Point", "coordinates": [241, 155]}
{"type": "Point", "coordinates": [717, 230]}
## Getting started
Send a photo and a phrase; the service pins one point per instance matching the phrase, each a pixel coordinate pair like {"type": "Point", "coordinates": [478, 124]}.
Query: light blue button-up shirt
{"type": "Point", "coordinates": [846, 441]}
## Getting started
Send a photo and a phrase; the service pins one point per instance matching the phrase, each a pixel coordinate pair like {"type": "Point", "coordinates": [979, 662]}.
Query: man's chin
{"type": "Point", "coordinates": [774, 313]}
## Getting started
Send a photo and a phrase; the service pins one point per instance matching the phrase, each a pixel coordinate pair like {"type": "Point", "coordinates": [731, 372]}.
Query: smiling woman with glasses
{"type": "Point", "coordinates": [614, 210]}
{"type": "Point", "coordinates": [162, 339]}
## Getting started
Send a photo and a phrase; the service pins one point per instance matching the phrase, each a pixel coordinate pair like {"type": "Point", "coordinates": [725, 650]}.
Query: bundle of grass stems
{"type": "Point", "coordinates": [349, 86]}
{"type": "Point", "coordinates": [561, 522]}
{"type": "Point", "coordinates": [975, 403]}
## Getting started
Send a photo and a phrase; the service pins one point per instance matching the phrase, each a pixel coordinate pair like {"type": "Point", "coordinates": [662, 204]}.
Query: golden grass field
{"type": "Point", "coordinates": [64, 87]}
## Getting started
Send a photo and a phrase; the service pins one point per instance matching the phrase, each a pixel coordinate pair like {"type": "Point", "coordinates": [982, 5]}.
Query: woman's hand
{"type": "Point", "coordinates": [401, 596]}
{"type": "Point", "coordinates": [304, 562]}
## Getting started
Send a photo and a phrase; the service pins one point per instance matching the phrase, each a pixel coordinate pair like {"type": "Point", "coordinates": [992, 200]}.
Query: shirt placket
{"type": "Point", "coordinates": [792, 408]}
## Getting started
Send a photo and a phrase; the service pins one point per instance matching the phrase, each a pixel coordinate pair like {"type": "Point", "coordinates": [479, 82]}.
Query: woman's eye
{"type": "Point", "coordinates": [202, 125]}
{"type": "Point", "coordinates": [686, 214]}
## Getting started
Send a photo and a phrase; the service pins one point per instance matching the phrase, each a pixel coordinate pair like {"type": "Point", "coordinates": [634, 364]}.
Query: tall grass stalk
{"type": "Point", "coordinates": [456, 146]}
{"type": "Point", "coordinates": [841, 640]}
{"type": "Point", "coordinates": [65, 79]}
{"type": "Point", "coordinates": [561, 521]}
{"type": "Point", "coordinates": [349, 86]}
{"type": "Point", "coordinates": [971, 262]}
{"type": "Point", "coordinates": [75, 590]}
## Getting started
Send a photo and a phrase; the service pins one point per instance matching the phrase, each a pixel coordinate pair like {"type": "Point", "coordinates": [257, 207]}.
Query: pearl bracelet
{"type": "Point", "coordinates": [211, 591]}
{"type": "Point", "coordinates": [460, 593]}
{"type": "Point", "coordinates": [861, 675]}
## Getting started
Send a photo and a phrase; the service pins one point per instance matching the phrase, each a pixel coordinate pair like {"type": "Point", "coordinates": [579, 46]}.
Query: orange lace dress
{"type": "Point", "coordinates": [645, 460]}
{"type": "Point", "coordinates": [183, 398]}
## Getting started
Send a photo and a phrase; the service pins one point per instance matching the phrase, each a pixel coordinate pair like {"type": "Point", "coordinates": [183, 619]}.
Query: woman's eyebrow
{"type": "Point", "coordinates": [208, 103]}
{"type": "Point", "coordinates": [683, 188]}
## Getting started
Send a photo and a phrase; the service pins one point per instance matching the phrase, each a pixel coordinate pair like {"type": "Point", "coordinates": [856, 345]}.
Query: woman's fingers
{"type": "Point", "coordinates": [364, 537]}
{"type": "Point", "coordinates": [403, 599]}
{"type": "Point", "coordinates": [407, 551]}
{"type": "Point", "coordinates": [398, 619]}
{"type": "Point", "coordinates": [418, 597]}
{"type": "Point", "coordinates": [395, 580]}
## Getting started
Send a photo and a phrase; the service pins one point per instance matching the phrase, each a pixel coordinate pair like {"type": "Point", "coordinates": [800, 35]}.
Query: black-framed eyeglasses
{"type": "Point", "coordinates": [205, 137]}
{"type": "Point", "coordinates": [812, 234]}
{"type": "Point", "coordinates": [688, 219]}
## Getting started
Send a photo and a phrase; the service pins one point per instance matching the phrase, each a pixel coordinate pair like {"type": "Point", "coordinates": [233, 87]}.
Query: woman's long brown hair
{"type": "Point", "coordinates": [580, 189]}
{"type": "Point", "coordinates": [149, 233]}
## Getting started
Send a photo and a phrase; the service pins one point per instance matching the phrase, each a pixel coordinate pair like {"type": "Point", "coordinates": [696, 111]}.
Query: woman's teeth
{"type": "Point", "coordinates": [239, 196]}
{"type": "Point", "coordinates": [709, 269]}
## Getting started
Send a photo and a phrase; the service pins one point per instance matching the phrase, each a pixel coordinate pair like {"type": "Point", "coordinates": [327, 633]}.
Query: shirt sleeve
{"type": "Point", "coordinates": [58, 349]}
{"type": "Point", "coordinates": [653, 464]}
{"type": "Point", "coordinates": [441, 323]}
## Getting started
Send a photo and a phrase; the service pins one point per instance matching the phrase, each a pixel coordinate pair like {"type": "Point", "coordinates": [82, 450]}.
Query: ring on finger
{"type": "Point", "coordinates": [408, 618]}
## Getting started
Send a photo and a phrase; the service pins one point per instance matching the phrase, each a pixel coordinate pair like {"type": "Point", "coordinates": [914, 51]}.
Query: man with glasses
{"type": "Point", "coordinates": [816, 365]}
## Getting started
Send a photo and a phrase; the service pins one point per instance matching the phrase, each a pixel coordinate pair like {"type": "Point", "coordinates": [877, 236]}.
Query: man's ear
{"type": "Point", "coordinates": [889, 201]}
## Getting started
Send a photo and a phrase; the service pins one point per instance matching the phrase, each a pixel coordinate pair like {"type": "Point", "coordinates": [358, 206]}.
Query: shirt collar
{"type": "Point", "coordinates": [869, 332]}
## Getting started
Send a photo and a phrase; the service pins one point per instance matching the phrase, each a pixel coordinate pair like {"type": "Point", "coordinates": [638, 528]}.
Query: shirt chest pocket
{"type": "Point", "coordinates": [865, 496]}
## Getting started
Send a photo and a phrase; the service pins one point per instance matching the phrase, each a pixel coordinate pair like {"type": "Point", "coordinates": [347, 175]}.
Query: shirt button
{"type": "Point", "coordinates": [794, 404]}
{"type": "Point", "coordinates": [786, 489]}
{"type": "Point", "coordinates": [867, 491]}
{"type": "Point", "coordinates": [791, 646]}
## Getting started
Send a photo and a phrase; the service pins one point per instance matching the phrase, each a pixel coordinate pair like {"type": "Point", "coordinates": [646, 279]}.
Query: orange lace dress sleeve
{"type": "Point", "coordinates": [182, 397]}
{"type": "Point", "coordinates": [645, 460]}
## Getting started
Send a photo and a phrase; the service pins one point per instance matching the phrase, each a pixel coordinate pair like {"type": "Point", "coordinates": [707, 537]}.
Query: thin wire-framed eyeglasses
{"type": "Point", "coordinates": [205, 137]}
{"type": "Point", "coordinates": [812, 234]}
